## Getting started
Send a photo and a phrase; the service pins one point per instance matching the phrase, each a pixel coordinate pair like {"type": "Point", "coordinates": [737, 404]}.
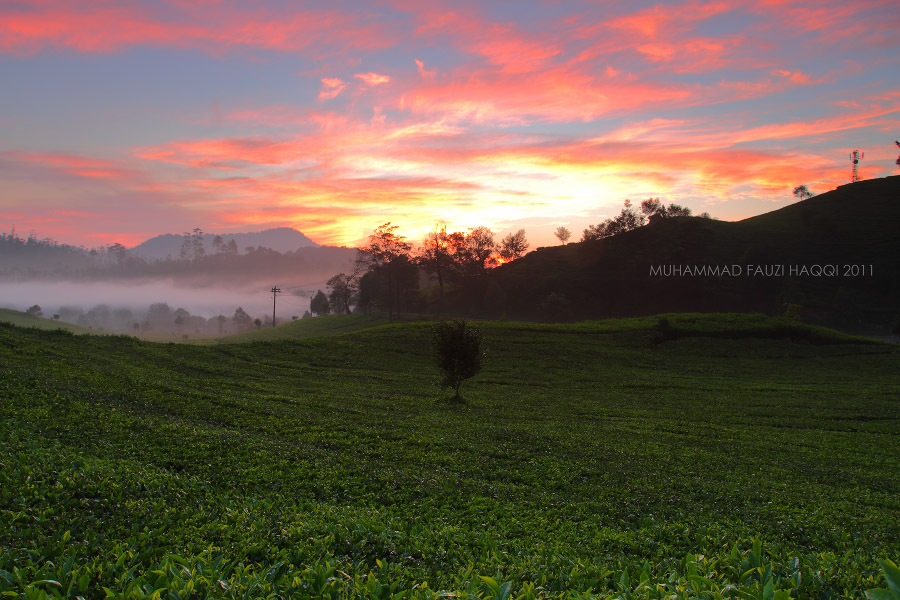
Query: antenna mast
{"type": "Point", "coordinates": [855, 157]}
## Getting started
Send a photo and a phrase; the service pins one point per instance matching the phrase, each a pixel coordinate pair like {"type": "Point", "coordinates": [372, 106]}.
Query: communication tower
{"type": "Point", "coordinates": [855, 157]}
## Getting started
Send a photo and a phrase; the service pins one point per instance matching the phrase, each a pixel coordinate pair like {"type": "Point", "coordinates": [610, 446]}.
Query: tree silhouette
{"type": "Point", "coordinates": [436, 256]}
{"type": "Point", "coordinates": [513, 245]}
{"type": "Point", "coordinates": [387, 257]}
{"type": "Point", "coordinates": [319, 304]}
{"type": "Point", "coordinates": [342, 292]}
{"type": "Point", "coordinates": [241, 319]}
{"type": "Point", "coordinates": [478, 248]}
{"type": "Point", "coordinates": [802, 192]}
{"type": "Point", "coordinates": [458, 353]}
{"type": "Point", "coordinates": [629, 218]}
{"type": "Point", "coordinates": [562, 234]}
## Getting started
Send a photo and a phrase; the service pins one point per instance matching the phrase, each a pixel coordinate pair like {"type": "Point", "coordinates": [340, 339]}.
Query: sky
{"type": "Point", "coordinates": [123, 120]}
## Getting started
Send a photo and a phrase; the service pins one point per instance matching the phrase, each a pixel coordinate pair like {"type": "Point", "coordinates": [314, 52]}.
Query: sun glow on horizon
{"type": "Point", "coordinates": [422, 116]}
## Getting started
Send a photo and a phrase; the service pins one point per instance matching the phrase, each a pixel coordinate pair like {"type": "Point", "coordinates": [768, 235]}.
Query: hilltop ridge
{"type": "Point", "coordinates": [851, 231]}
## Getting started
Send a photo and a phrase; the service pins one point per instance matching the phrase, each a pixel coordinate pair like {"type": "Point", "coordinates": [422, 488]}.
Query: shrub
{"type": "Point", "coordinates": [892, 576]}
{"type": "Point", "coordinates": [458, 353]}
{"type": "Point", "coordinates": [792, 311]}
{"type": "Point", "coordinates": [664, 331]}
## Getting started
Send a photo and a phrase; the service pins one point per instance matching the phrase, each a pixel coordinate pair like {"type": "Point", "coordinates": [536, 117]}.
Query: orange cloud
{"type": "Point", "coordinates": [397, 172]}
{"type": "Point", "coordinates": [521, 119]}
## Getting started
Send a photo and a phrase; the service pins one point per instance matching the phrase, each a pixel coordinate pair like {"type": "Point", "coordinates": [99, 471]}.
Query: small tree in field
{"type": "Point", "coordinates": [458, 353]}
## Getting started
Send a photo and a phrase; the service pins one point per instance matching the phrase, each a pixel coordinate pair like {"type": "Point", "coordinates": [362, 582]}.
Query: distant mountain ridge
{"type": "Point", "coordinates": [280, 239]}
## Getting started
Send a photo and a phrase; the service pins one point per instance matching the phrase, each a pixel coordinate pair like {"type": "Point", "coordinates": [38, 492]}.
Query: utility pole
{"type": "Point", "coordinates": [275, 291]}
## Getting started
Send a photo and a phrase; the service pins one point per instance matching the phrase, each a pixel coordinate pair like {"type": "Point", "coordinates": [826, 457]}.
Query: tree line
{"type": "Point", "coordinates": [631, 217]}
{"type": "Point", "coordinates": [389, 270]}
{"type": "Point", "coordinates": [159, 316]}
{"type": "Point", "coordinates": [33, 258]}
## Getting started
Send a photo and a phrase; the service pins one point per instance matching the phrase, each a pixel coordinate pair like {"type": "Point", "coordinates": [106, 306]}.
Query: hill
{"type": "Point", "coordinates": [21, 319]}
{"type": "Point", "coordinates": [280, 239]}
{"type": "Point", "coordinates": [614, 459]}
{"type": "Point", "coordinates": [837, 255]}
{"type": "Point", "coordinates": [324, 326]}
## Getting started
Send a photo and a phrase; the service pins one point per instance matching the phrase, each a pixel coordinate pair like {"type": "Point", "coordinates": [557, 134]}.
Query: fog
{"type": "Point", "coordinates": [205, 302]}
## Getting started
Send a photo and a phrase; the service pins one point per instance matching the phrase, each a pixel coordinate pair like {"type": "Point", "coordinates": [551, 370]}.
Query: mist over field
{"type": "Point", "coordinates": [52, 296]}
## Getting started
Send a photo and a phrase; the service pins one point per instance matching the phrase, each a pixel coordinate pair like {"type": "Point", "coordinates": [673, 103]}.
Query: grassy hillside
{"type": "Point", "coordinates": [852, 228]}
{"type": "Point", "coordinates": [22, 319]}
{"type": "Point", "coordinates": [710, 457]}
{"type": "Point", "coordinates": [324, 326]}
{"type": "Point", "coordinates": [303, 328]}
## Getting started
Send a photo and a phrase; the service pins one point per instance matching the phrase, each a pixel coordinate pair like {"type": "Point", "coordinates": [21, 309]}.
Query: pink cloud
{"type": "Point", "coordinates": [228, 154]}
{"type": "Point", "coordinates": [79, 166]}
{"type": "Point", "coordinates": [556, 94]}
{"type": "Point", "coordinates": [797, 77]}
{"type": "Point", "coordinates": [425, 73]}
{"type": "Point", "coordinates": [372, 79]}
{"type": "Point", "coordinates": [438, 141]}
{"type": "Point", "coordinates": [28, 27]}
{"type": "Point", "coordinates": [331, 87]}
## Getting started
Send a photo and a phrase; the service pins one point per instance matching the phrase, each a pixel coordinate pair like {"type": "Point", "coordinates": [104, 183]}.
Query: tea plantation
{"type": "Point", "coordinates": [708, 456]}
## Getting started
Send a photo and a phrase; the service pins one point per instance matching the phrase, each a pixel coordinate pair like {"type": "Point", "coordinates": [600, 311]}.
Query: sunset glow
{"type": "Point", "coordinates": [123, 120]}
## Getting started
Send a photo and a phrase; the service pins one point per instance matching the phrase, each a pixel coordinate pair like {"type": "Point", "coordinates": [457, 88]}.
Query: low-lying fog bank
{"type": "Point", "coordinates": [155, 305]}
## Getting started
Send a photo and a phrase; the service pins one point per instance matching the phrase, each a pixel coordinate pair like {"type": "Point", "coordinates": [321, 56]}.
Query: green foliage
{"type": "Point", "coordinates": [588, 463]}
{"type": "Point", "coordinates": [664, 331]}
{"type": "Point", "coordinates": [22, 319]}
{"type": "Point", "coordinates": [458, 352]}
{"type": "Point", "coordinates": [555, 308]}
{"type": "Point", "coordinates": [792, 311]}
{"type": "Point", "coordinates": [326, 326]}
{"type": "Point", "coordinates": [892, 576]}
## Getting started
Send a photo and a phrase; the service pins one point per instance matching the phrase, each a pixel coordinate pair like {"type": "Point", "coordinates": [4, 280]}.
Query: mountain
{"type": "Point", "coordinates": [280, 239]}
{"type": "Point", "coordinates": [836, 255]}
